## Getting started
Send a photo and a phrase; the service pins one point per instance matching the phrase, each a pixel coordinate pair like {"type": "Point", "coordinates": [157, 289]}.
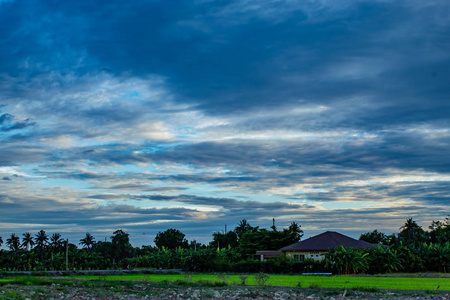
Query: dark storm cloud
{"type": "Point", "coordinates": [232, 56]}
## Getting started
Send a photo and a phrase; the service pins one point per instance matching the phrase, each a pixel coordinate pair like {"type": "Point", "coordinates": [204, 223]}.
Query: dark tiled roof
{"type": "Point", "coordinates": [326, 241]}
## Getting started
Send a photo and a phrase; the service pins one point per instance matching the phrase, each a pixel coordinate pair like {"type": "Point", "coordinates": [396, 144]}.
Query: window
{"type": "Point", "coordinates": [299, 257]}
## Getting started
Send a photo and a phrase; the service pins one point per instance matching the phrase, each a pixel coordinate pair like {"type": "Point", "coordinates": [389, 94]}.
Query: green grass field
{"type": "Point", "coordinates": [395, 283]}
{"type": "Point", "coordinates": [346, 282]}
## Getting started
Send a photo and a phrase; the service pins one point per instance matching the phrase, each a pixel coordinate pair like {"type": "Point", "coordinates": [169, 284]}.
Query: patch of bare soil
{"type": "Point", "coordinates": [147, 291]}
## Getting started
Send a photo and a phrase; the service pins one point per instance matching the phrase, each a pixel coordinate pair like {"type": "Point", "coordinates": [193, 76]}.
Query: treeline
{"type": "Point", "coordinates": [411, 250]}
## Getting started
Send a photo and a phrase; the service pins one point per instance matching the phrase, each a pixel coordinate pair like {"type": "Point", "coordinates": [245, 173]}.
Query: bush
{"type": "Point", "coordinates": [261, 278]}
{"type": "Point", "coordinates": [243, 278]}
{"type": "Point", "coordinates": [248, 266]}
{"type": "Point", "coordinates": [200, 261]}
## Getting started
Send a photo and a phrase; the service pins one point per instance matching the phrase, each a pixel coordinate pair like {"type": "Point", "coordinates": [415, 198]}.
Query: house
{"type": "Point", "coordinates": [317, 246]}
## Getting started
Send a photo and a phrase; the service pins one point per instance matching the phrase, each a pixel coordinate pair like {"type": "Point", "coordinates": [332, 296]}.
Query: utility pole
{"type": "Point", "coordinates": [67, 255]}
{"type": "Point", "coordinates": [225, 228]}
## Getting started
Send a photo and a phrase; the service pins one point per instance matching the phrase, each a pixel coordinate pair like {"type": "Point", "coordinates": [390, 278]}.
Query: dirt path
{"type": "Point", "coordinates": [148, 291]}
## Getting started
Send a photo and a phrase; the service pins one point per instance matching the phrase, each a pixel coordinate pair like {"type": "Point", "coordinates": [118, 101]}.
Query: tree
{"type": "Point", "coordinates": [121, 245]}
{"type": "Point", "coordinates": [1, 241]}
{"type": "Point", "coordinates": [170, 239]}
{"type": "Point", "coordinates": [13, 242]}
{"type": "Point", "coordinates": [41, 240]}
{"type": "Point", "coordinates": [56, 242]}
{"type": "Point", "coordinates": [438, 256]}
{"type": "Point", "coordinates": [262, 239]}
{"type": "Point", "coordinates": [27, 241]}
{"type": "Point", "coordinates": [411, 232]}
{"type": "Point", "coordinates": [88, 241]}
{"type": "Point", "coordinates": [440, 231]}
{"type": "Point", "coordinates": [243, 227]}
{"type": "Point", "coordinates": [293, 233]}
{"type": "Point", "coordinates": [384, 259]}
{"type": "Point", "coordinates": [347, 260]}
{"type": "Point", "coordinates": [374, 237]}
{"type": "Point", "coordinates": [224, 240]}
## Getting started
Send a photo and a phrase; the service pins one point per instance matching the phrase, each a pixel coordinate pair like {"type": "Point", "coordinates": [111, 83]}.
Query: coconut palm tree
{"type": "Point", "coordinates": [13, 242]}
{"type": "Point", "coordinates": [411, 232]}
{"type": "Point", "coordinates": [27, 241]}
{"type": "Point", "coordinates": [242, 227]}
{"type": "Point", "coordinates": [1, 241]}
{"type": "Point", "coordinates": [88, 241]}
{"type": "Point", "coordinates": [41, 241]}
{"type": "Point", "coordinates": [56, 242]}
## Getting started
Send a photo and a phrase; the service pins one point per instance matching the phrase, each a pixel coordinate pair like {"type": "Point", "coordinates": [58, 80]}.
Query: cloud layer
{"type": "Point", "coordinates": [146, 116]}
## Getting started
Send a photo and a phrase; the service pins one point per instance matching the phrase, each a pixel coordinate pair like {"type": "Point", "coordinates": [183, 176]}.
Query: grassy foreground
{"type": "Point", "coordinates": [342, 282]}
{"type": "Point", "coordinates": [350, 282]}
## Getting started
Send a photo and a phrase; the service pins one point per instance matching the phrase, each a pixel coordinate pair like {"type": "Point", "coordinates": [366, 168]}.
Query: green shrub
{"type": "Point", "coordinates": [261, 278]}
{"type": "Point", "coordinates": [242, 279]}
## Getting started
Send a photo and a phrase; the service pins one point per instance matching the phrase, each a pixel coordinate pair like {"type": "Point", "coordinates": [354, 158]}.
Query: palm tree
{"type": "Point", "coordinates": [27, 241]}
{"type": "Point", "coordinates": [1, 241]}
{"type": "Point", "coordinates": [410, 232]}
{"type": "Point", "coordinates": [242, 227]}
{"type": "Point", "coordinates": [88, 241]}
{"type": "Point", "coordinates": [55, 241]}
{"type": "Point", "coordinates": [13, 242]}
{"type": "Point", "coordinates": [41, 241]}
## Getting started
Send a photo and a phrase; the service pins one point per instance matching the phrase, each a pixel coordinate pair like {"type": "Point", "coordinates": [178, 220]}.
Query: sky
{"type": "Point", "coordinates": [149, 115]}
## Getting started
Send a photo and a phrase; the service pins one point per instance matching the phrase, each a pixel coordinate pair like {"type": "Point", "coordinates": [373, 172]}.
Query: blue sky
{"type": "Point", "coordinates": [151, 115]}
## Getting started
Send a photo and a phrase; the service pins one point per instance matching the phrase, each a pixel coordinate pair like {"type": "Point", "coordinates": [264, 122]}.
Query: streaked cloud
{"type": "Point", "coordinates": [145, 115]}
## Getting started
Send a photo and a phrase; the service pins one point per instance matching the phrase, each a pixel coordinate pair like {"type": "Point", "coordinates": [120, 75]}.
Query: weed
{"type": "Point", "coordinates": [12, 296]}
{"type": "Point", "coordinates": [28, 280]}
{"type": "Point", "coordinates": [261, 278]}
{"type": "Point", "coordinates": [243, 278]}
{"type": "Point", "coordinates": [187, 277]}
{"type": "Point", "coordinates": [39, 290]}
{"type": "Point", "coordinates": [181, 282]}
{"type": "Point", "coordinates": [314, 285]}
{"type": "Point", "coordinates": [299, 284]}
{"type": "Point", "coordinates": [102, 277]}
{"type": "Point", "coordinates": [223, 278]}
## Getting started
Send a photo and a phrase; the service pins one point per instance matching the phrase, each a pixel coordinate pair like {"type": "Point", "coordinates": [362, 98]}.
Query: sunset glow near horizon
{"type": "Point", "coordinates": [194, 115]}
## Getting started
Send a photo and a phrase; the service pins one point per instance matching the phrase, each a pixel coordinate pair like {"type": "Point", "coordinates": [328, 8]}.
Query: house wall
{"type": "Point", "coordinates": [302, 255]}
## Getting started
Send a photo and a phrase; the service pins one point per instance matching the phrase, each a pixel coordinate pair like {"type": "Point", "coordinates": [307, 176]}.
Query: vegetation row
{"type": "Point", "coordinates": [413, 249]}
